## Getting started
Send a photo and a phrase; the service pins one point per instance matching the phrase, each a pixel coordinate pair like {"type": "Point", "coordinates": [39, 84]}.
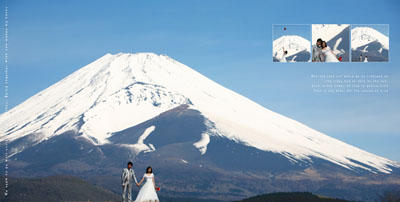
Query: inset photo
{"type": "Point", "coordinates": [291, 43]}
{"type": "Point", "coordinates": [370, 43]}
{"type": "Point", "coordinates": [331, 43]}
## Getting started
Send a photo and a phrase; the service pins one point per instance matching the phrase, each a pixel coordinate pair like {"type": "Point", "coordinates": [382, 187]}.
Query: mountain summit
{"type": "Point", "coordinates": [361, 36]}
{"type": "Point", "coordinates": [299, 48]}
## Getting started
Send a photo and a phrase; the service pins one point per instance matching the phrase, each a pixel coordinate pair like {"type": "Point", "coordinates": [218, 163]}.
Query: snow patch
{"type": "Point", "coordinates": [326, 31]}
{"type": "Point", "coordinates": [202, 143]}
{"type": "Point", "coordinates": [140, 146]}
{"type": "Point", "coordinates": [145, 134]}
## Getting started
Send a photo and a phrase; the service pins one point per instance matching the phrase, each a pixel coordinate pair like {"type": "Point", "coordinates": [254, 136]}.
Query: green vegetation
{"type": "Point", "coordinates": [54, 188]}
{"type": "Point", "coordinates": [291, 197]}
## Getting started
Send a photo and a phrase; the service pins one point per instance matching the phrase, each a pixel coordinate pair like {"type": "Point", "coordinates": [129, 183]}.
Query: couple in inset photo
{"type": "Point", "coordinates": [331, 42]}
{"type": "Point", "coordinates": [321, 52]}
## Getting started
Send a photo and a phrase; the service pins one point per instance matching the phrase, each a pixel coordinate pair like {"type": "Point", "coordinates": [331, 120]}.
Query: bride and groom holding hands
{"type": "Point", "coordinates": [147, 193]}
{"type": "Point", "coordinates": [321, 52]}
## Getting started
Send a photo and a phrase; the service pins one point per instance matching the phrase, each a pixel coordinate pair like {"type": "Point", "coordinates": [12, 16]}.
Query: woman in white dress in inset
{"type": "Point", "coordinates": [329, 56]}
{"type": "Point", "coordinates": [148, 192]}
{"type": "Point", "coordinates": [366, 59]}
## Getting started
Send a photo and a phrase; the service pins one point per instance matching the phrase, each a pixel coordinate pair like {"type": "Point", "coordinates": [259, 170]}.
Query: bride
{"type": "Point", "coordinates": [328, 53]}
{"type": "Point", "coordinates": [148, 192]}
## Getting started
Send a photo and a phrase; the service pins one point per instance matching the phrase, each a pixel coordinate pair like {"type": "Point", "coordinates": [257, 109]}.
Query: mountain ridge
{"type": "Point", "coordinates": [152, 84]}
{"type": "Point", "coordinates": [298, 48]}
{"type": "Point", "coordinates": [365, 35]}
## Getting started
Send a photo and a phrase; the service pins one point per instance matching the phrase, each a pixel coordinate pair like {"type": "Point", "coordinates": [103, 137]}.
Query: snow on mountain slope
{"type": "Point", "coordinates": [93, 96]}
{"type": "Point", "coordinates": [326, 31]}
{"type": "Point", "coordinates": [119, 91]}
{"type": "Point", "coordinates": [292, 43]}
{"type": "Point", "coordinates": [361, 36]}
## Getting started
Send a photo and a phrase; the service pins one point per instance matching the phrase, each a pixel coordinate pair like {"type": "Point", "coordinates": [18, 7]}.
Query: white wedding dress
{"type": "Point", "coordinates": [283, 59]}
{"type": "Point", "coordinates": [329, 56]}
{"type": "Point", "coordinates": [147, 193]}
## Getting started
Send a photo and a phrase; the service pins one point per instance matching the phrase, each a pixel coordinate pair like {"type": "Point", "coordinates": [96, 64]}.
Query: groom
{"type": "Point", "coordinates": [128, 175]}
{"type": "Point", "coordinates": [317, 51]}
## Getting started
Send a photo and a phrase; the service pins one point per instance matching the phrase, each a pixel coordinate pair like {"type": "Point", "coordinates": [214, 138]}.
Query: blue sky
{"type": "Point", "coordinates": [228, 41]}
{"type": "Point", "coordinates": [299, 30]}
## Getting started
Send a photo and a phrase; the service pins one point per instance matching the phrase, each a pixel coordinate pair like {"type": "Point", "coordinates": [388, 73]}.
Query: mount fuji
{"type": "Point", "coordinates": [337, 36]}
{"type": "Point", "coordinates": [298, 48]}
{"type": "Point", "coordinates": [201, 138]}
{"type": "Point", "coordinates": [369, 42]}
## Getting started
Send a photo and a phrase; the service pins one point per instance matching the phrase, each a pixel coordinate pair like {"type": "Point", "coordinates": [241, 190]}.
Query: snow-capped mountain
{"type": "Point", "coordinates": [153, 110]}
{"type": "Point", "coordinates": [299, 48]}
{"type": "Point", "coordinates": [337, 37]}
{"type": "Point", "coordinates": [120, 91]}
{"type": "Point", "coordinates": [361, 36]}
{"type": "Point", "coordinates": [367, 41]}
